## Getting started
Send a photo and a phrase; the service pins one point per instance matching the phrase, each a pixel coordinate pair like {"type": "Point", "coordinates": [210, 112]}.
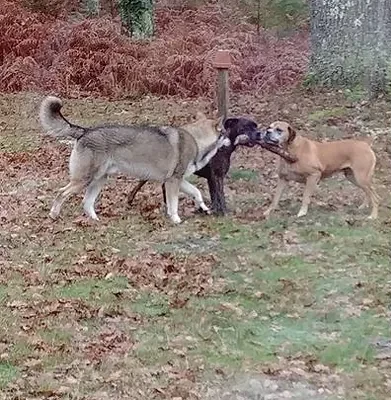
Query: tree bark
{"type": "Point", "coordinates": [350, 43]}
{"type": "Point", "coordinates": [137, 18]}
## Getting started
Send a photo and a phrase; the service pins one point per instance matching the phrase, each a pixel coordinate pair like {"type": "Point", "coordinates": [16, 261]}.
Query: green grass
{"type": "Point", "coordinates": [323, 115]}
{"type": "Point", "coordinates": [281, 305]}
{"type": "Point", "coordinates": [243, 174]}
{"type": "Point", "coordinates": [9, 142]}
{"type": "Point", "coordinates": [356, 94]}
{"type": "Point", "coordinates": [99, 291]}
{"type": "Point", "coordinates": [151, 305]}
{"type": "Point", "coordinates": [287, 291]}
{"type": "Point", "coordinates": [57, 336]}
{"type": "Point", "coordinates": [8, 373]}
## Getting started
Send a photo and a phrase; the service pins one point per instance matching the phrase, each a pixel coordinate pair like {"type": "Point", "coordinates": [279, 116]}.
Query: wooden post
{"type": "Point", "coordinates": [222, 63]}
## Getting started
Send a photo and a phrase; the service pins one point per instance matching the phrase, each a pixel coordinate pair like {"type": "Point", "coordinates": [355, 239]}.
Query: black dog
{"type": "Point", "coordinates": [241, 131]}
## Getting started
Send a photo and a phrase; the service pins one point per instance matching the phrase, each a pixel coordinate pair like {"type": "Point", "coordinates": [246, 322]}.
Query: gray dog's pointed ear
{"type": "Point", "coordinates": [219, 124]}
{"type": "Point", "coordinates": [292, 135]}
{"type": "Point", "coordinates": [230, 122]}
{"type": "Point", "coordinates": [200, 115]}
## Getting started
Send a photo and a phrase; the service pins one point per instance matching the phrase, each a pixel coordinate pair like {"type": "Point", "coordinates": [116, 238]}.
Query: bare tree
{"type": "Point", "coordinates": [137, 17]}
{"type": "Point", "coordinates": [350, 42]}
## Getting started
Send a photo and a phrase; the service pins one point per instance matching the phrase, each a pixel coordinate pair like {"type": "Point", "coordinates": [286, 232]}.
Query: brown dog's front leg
{"type": "Point", "coordinates": [281, 185]}
{"type": "Point", "coordinates": [309, 190]}
{"type": "Point", "coordinates": [135, 190]}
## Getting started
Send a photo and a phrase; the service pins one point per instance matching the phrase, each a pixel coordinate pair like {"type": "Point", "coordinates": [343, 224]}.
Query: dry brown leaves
{"type": "Point", "coordinates": [167, 273]}
{"type": "Point", "coordinates": [36, 312]}
{"type": "Point", "coordinates": [91, 57]}
{"type": "Point", "coordinates": [109, 342]}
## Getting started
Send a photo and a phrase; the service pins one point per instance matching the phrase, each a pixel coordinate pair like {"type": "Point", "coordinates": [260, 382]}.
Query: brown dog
{"type": "Point", "coordinates": [316, 161]}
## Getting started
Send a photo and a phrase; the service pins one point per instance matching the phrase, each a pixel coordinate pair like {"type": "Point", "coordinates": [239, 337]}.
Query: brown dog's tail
{"type": "Point", "coordinates": [54, 122]}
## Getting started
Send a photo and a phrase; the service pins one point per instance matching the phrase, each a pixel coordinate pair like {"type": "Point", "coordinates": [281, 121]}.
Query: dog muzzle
{"type": "Point", "coordinates": [257, 137]}
{"type": "Point", "coordinates": [271, 138]}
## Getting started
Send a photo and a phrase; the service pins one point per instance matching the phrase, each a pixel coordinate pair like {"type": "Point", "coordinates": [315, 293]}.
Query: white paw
{"type": "Point", "coordinates": [267, 213]}
{"type": "Point", "coordinates": [175, 219]}
{"type": "Point", "coordinates": [302, 213]}
{"type": "Point", "coordinates": [54, 214]}
{"type": "Point", "coordinates": [204, 208]}
{"type": "Point", "coordinates": [92, 215]}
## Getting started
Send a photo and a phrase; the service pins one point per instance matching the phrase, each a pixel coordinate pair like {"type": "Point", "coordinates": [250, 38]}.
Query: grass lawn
{"type": "Point", "coordinates": [135, 308]}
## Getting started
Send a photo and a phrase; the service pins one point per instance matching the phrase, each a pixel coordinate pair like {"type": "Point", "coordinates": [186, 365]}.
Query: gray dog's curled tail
{"type": "Point", "coordinates": [54, 122]}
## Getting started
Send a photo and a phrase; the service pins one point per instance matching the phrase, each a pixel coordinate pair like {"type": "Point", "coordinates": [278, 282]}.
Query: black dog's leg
{"type": "Point", "coordinates": [164, 194]}
{"type": "Point", "coordinates": [164, 198]}
{"type": "Point", "coordinates": [216, 190]}
{"type": "Point", "coordinates": [135, 190]}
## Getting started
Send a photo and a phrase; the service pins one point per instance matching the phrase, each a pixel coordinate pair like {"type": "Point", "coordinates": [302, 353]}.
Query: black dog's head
{"type": "Point", "coordinates": [241, 131]}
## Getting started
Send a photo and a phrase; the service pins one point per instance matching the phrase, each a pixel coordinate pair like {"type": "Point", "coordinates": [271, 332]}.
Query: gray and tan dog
{"type": "Point", "coordinates": [317, 160]}
{"type": "Point", "coordinates": [165, 154]}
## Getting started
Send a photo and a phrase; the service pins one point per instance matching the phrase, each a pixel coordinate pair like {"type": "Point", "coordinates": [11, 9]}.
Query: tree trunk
{"type": "Point", "coordinates": [350, 43]}
{"type": "Point", "coordinates": [137, 18]}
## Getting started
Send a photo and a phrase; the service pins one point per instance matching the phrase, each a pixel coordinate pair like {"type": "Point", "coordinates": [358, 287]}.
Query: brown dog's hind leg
{"type": "Point", "coordinates": [350, 177]}
{"type": "Point", "coordinates": [371, 195]}
{"type": "Point", "coordinates": [135, 190]}
{"type": "Point", "coordinates": [281, 185]}
{"type": "Point", "coordinates": [363, 180]}
{"type": "Point", "coordinates": [309, 189]}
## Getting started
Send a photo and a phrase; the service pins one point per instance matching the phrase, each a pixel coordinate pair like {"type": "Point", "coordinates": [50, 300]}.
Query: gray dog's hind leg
{"type": "Point", "coordinates": [64, 194]}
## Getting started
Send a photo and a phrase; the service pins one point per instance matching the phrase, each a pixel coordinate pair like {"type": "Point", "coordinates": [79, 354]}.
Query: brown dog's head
{"type": "Point", "coordinates": [280, 134]}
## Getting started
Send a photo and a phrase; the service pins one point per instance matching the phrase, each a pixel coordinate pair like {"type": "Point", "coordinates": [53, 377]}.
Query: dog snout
{"type": "Point", "coordinates": [256, 136]}
{"type": "Point", "coordinates": [268, 132]}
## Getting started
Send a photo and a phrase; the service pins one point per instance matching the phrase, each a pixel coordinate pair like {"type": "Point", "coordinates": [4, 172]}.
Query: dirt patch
{"type": "Point", "coordinates": [266, 388]}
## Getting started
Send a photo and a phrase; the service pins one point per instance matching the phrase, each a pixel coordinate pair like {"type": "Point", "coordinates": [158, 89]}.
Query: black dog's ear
{"type": "Point", "coordinates": [230, 122]}
{"type": "Point", "coordinates": [292, 135]}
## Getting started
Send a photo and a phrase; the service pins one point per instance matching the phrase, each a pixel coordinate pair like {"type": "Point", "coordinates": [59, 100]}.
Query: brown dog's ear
{"type": "Point", "coordinates": [291, 135]}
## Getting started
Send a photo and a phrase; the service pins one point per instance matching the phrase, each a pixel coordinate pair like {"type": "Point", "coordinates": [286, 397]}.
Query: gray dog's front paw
{"type": "Point", "coordinates": [203, 211]}
{"type": "Point", "coordinates": [175, 219]}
